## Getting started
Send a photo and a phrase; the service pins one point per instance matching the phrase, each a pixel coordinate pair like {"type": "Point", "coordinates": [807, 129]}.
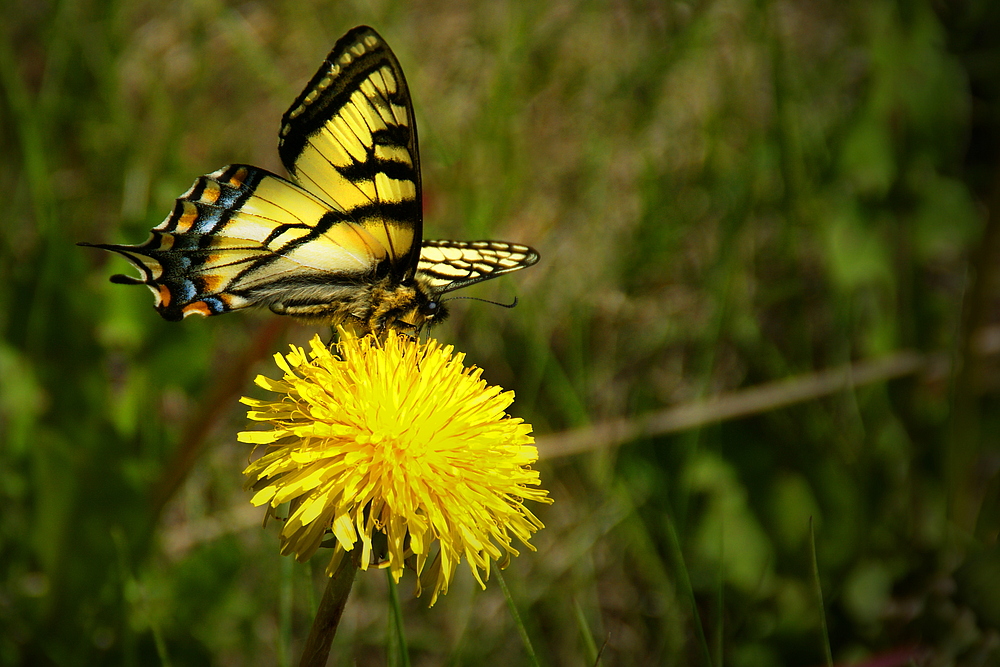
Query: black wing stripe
{"type": "Point", "coordinates": [393, 169]}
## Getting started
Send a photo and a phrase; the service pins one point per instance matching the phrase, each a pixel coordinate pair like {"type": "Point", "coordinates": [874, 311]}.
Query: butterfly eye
{"type": "Point", "coordinates": [433, 311]}
{"type": "Point", "coordinates": [429, 309]}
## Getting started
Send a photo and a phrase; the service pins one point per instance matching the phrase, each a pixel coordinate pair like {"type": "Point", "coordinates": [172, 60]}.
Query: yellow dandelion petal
{"type": "Point", "coordinates": [262, 497]}
{"type": "Point", "coordinates": [272, 385]}
{"type": "Point", "coordinates": [394, 438]}
{"type": "Point", "coordinates": [258, 437]}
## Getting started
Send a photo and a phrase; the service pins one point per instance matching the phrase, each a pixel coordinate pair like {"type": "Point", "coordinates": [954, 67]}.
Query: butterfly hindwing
{"type": "Point", "coordinates": [448, 265]}
{"type": "Point", "coordinates": [242, 236]}
{"type": "Point", "coordinates": [350, 138]}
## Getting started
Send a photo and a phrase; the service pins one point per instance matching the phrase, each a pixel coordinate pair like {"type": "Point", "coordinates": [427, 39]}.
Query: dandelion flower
{"type": "Point", "coordinates": [396, 445]}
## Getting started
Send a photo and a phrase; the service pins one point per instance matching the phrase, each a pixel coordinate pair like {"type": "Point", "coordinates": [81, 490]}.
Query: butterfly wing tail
{"type": "Point", "coordinates": [167, 262]}
{"type": "Point", "coordinates": [144, 258]}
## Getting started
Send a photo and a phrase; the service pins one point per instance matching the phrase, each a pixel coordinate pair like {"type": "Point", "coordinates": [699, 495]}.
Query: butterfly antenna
{"type": "Point", "coordinates": [495, 303]}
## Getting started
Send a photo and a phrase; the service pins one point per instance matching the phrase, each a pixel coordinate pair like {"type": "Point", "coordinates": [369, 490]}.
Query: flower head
{"type": "Point", "coordinates": [396, 445]}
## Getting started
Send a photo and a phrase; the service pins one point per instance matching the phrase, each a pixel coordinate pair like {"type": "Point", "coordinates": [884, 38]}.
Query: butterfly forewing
{"type": "Point", "coordinates": [350, 137]}
{"type": "Point", "coordinates": [448, 265]}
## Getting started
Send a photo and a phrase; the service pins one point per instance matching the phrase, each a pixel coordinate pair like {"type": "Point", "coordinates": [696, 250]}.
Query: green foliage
{"type": "Point", "coordinates": [724, 194]}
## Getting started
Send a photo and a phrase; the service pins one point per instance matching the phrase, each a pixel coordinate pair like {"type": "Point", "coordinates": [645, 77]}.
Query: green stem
{"type": "Point", "coordinates": [685, 583]}
{"type": "Point", "coordinates": [399, 653]}
{"type": "Point", "coordinates": [285, 600]}
{"type": "Point", "coordinates": [521, 630]}
{"type": "Point", "coordinates": [818, 587]}
{"type": "Point", "coordinates": [331, 607]}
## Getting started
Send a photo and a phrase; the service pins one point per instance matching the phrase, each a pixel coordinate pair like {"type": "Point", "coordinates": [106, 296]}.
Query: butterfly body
{"type": "Point", "coordinates": [340, 241]}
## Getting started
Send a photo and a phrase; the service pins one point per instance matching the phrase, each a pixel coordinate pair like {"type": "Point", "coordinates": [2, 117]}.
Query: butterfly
{"type": "Point", "coordinates": [340, 240]}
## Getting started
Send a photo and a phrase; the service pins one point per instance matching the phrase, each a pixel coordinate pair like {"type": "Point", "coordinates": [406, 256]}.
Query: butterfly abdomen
{"type": "Point", "coordinates": [375, 306]}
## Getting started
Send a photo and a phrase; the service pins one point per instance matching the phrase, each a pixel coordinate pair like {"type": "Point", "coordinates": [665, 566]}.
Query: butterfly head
{"type": "Point", "coordinates": [424, 309]}
{"type": "Point", "coordinates": [407, 307]}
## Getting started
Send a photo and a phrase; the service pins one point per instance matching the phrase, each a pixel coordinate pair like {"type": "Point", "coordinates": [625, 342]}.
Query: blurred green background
{"type": "Point", "coordinates": [725, 194]}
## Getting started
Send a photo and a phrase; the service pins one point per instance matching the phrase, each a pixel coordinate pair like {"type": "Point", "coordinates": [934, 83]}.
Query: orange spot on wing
{"type": "Point", "coordinates": [212, 284]}
{"type": "Point", "coordinates": [211, 193]}
{"type": "Point", "coordinates": [196, 308]}
{"type": "Point", "coordinates": [163, 296]}
{"type": "Point", "coordinates": [186, 218]}
{"type": "Point", "coordinates": [236, 180]}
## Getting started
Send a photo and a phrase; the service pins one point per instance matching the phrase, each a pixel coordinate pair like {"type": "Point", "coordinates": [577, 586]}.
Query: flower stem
{"type": "Point", "coordinates": [521, 630]}
{"type": "Point", "coordinates": [331, 607]}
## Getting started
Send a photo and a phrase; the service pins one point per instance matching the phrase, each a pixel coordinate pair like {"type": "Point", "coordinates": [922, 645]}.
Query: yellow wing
{"type": "Point", "coordinates": [242, 236]}
{"type": "Point", "coordinates": [350, 138]}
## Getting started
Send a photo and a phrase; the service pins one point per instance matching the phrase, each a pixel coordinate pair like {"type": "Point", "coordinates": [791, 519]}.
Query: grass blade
{"type": "Point", "coordinates": [685, 582]}
{"type": "Point", "coordinates": [521, 630]}
{"type": "Point", "coordinates": [817, 586]}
